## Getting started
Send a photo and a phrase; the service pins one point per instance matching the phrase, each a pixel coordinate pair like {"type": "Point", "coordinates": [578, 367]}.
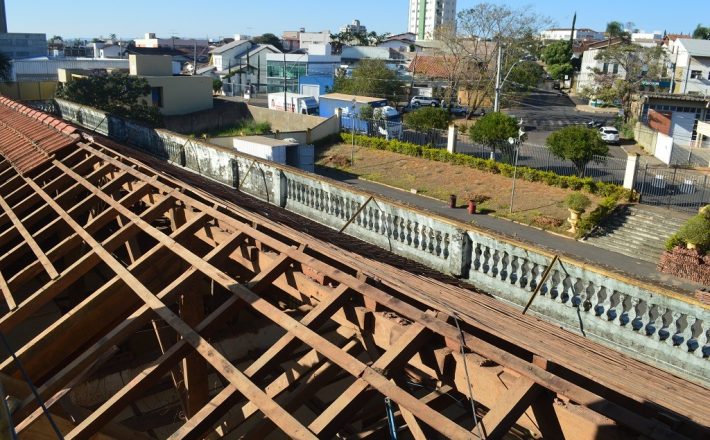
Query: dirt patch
{"type": "Point", "coordinates": [534, 203]}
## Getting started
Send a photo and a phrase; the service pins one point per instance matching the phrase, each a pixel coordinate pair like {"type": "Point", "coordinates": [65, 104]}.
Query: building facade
{"type": "Point", "coordinates": [354, 28]}
{"type": "Point", "coordinates": [425, 16]}
{"type": "Point", "coordinates": [590, 65]}
{"type": "Point", "coordinates": [21, 45]}
{"type": "Point", "coordinates": [690, 61]}
{"type": "Point", "coordinates": [560, 34]}
{"type": "Point", "coordinates": [285, 70]}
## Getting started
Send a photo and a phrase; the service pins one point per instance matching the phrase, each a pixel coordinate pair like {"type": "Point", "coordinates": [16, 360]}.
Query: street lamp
{"type": "Point", "coordinates": [499, 83]}
{"type": "Point", "coordinates": [352, 119]}
{"type": "Point", "coordinates": [516, 144]}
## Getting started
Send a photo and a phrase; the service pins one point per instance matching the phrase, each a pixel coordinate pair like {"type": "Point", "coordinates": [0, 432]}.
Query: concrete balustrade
{"type": "Point", "coordinates": [663, 328]}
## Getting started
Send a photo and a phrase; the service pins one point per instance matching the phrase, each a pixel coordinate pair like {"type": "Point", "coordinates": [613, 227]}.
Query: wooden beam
{"type": "Point", "coordinates": [509, 407]}
{"type": "Point", "coordinates": [194, 368]}
{"type": "Point", "coordinates": [48, 266]}
{"type": "Point", "coordinates": [11, 304]}
{"type": "Point", "coordinates": [344, 407]}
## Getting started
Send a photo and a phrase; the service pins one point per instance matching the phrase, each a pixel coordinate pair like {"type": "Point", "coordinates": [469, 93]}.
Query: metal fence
{"type": "Point", "coordinates": [674, 188]}
{"type": "Point", "coordinates": [601, 168]}
{"type": "Point", "coordinates": [394, 129]}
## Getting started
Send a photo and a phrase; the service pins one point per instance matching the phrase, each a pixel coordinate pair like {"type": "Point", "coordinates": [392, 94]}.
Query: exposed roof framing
{"type": "Point", "coordinates": [108, 266]}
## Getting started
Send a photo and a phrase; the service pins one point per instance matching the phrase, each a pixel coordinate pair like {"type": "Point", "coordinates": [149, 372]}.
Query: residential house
{"type": "Point", "coordinates": [690, 62]}
{"type": "Point", "coordinates": [590, 64]}
{"type": "Point", "coordinates": [290, 40]}
{"type": "Point", "coordinates": [242, 66]}
{"type": "Point", "coordinates": [351, 55]}
{"type": "Point", "coordinates": [647, 39]}
{"type": "Point", "coordinates": [402, 42]}
{"type": "Point", "coordinates": [564, 34]}
{"type": "Point", "coordinates": [172, 94]}
{"type": "Point", "coordinates": [224, 57]}
{"type": "Point", "coordinates": [676, 116]}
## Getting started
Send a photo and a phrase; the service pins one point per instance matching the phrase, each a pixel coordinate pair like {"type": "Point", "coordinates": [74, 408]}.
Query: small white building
{"type": "Point", "coordinates": [354, 28]}
{"type": "Point", "coordinates": [647, 39]}
{"type": "Point", "coordinates": [226, 56]}
{"type": "Point", "coordinates": [691, 61]}
{"type": "Point", "coordinates": [564, 34]}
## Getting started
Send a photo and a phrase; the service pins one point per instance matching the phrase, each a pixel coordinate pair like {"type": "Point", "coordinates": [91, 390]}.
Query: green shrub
{"type": "Point", "coordinates": [586, 224]}
{"type": "Point", "coordinates": [577, 202]}
{"type": "Point", "coordinates": [695, 231]}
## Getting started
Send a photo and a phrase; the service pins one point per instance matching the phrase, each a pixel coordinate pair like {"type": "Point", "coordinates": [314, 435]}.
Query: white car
{"type": "Point", "coordinates": [610, 135]}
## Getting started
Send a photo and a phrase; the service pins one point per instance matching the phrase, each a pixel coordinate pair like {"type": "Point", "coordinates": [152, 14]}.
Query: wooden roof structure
{"type": "Point", "coordinates": [138, 306]}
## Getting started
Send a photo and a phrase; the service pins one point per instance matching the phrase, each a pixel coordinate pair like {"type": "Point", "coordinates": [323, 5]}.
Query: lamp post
{"type": "Point", "coordinates": [499, 83]}
{"type": "Point", "coordinates": [516, 145]}
{"type": "Point", "coordinates": [352, 120]}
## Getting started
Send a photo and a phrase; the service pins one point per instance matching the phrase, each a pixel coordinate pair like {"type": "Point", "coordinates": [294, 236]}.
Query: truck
{"type": "Point", "coordinates": [295, 103]}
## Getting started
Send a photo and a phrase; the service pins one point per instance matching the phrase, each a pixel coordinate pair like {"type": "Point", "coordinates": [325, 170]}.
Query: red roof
{"type": "Point", "coordinates": [431, 66]}
{"type": "Point", "coordinates": [28, 137]}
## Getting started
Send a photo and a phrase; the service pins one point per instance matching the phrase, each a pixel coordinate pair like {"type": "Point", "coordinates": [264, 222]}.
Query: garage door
{"type": "Point", "coordinates": [682, 128]}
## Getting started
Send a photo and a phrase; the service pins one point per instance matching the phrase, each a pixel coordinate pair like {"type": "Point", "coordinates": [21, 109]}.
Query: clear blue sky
{"type": "Point", "coordinates": [132, 18]}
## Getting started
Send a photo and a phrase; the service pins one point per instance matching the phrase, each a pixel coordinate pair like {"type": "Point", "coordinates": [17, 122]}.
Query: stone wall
{"type": "Point", "coordinates": [664, 328]}
{"type": "Point", "coordinates": [686, 263]}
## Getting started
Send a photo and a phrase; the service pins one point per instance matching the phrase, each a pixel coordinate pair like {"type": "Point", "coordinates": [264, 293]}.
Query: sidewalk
{"type": "Point", "coordinates": [581, 251]}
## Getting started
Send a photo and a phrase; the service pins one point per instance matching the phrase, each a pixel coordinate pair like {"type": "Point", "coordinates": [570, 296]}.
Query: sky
{"type": "Point", "coordinates": [183, 18]}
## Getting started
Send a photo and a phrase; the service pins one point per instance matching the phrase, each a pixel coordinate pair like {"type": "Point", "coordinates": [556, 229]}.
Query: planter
{"type": "Point", "coordinates": [452, 201]}
{"type": "Point", "coordinates": [573, 220]}
{"type": "Point", "coordinates": [471, 206]}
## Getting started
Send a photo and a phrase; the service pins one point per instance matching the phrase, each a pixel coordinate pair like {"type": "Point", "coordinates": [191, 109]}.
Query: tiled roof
{"type": "Point", "coordinates": [28, 137]}
{"type": "Point", "coordinates": [431, 66]}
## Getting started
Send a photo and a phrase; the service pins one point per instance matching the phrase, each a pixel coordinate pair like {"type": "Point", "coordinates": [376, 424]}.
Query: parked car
{"type": "Point", "coordinates": [418, 101]}
{"type": "Point", "coordinates": [610, 135]}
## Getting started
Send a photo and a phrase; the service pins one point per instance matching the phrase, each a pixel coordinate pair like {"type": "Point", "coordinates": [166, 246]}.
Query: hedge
{"type": "Point", "coordinates": [604, 189]}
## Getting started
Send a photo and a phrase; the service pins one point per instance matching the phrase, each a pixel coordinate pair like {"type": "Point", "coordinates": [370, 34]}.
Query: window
{"type": "Point", "coordinates": [616, 68]}
{"type": "Point", "coordinates": [695, 74]}
{"type": "Point", "coordinates": [708, 74]}
{"type": "Point", "coordinates": [156, 96]}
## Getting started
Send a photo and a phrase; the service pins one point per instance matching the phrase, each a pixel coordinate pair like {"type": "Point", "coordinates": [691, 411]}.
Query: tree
{"type": "Point", "coordinates": [636, 65]}
{"type": "Point", "coordinates": [427, 118]}
{"type": "Point", "coordinates": [5, 67]}
{"type": "Point", "coordinates": [558, 71]}
{"type": "Point", "coordinates": [493, 130]}
{"type": "Point", "coordinates": [558, 52]}
{"type": "Point", "coordinates": [614, 29]}
{"type": "Point", "coordinates": [471, 47]}
{"type": "Point", "coordinates": [371, 78]}
{"type": "Point", "coordinates": [116, 93]}
{"type": "Point", "coordinates": [701, 32]}
{"type": "Point", "coordinates": [268, 38]}
{"type": "Point", "coordinates": [577, 144]}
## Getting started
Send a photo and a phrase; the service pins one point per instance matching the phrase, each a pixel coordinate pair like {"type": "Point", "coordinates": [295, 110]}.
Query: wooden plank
{"type": "Point", "coordinates": [314, 319]}
{"type": "Point", "coordinates": [139, 318]}
{"type": "Point", "coordinates": [348, 363]}
{"type": "Point", "coordinates": [414, 429]}
{"type": "Point", "coordinates": [11, 304]}
{"type": "Point", "coordinates": [48, 266]}
{"type": "Point", "coordinates": [509, 407]}
{"type": "Point", "coordinates": [194, 368]}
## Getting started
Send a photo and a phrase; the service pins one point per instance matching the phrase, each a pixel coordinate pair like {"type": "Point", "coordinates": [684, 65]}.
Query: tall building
{"type": "Point", "coordinates": [3, 20]}
{"type": "Point", "coordinates": [425, 16]}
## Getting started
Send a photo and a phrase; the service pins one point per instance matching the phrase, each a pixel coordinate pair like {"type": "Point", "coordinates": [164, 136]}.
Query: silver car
{"type": "Point", "coordinates": [418, 101]}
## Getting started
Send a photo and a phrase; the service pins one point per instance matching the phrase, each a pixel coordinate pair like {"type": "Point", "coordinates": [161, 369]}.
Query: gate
{"type": "Point", "coordinates": [674, 188]}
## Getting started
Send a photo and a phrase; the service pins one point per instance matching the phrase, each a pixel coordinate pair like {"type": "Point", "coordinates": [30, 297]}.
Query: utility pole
{"type": "Point", "coordinates": [285, 81]}
{"type": "Point", "coordinates": [194, 54]}
{"type": "Point", "coordinates": [496, 104]}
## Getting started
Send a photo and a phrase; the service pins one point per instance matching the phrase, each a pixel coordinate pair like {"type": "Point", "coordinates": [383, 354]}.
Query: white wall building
{"type": "Point", "coordinates": [308, 39]}
{"type": "Point", "coordinates": [583, 34]}
{"type": "Point", "coordinates": [692, 66]}
{"type": "Point", "coordinates": [150, 40]}
{"type": "Point", "coordinates": [590, 64]}
{"type": "Point", "coordinates": [647, 39]}
{"type": "Point", "coordinates": [425, 16]}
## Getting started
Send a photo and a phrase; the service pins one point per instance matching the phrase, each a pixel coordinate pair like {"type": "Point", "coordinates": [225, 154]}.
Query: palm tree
{"type": "Point", "coordinates": [614, 29]}
{"type": "Point", "coordinates": [5, 67]}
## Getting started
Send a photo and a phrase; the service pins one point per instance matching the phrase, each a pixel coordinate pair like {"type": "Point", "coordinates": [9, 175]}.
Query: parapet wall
{"type": "Point", "coordinates": [662, 328]}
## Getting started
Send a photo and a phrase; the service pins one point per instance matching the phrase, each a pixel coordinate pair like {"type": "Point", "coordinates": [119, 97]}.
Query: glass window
{"type": "Point", "coordinates": [695, 74]}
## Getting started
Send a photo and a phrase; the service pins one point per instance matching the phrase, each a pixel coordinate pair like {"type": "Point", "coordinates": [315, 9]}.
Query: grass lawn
{"type": "Point", "coordinates": [535, 203]}
{"type": "Point", "coordinates": [243, 128]}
